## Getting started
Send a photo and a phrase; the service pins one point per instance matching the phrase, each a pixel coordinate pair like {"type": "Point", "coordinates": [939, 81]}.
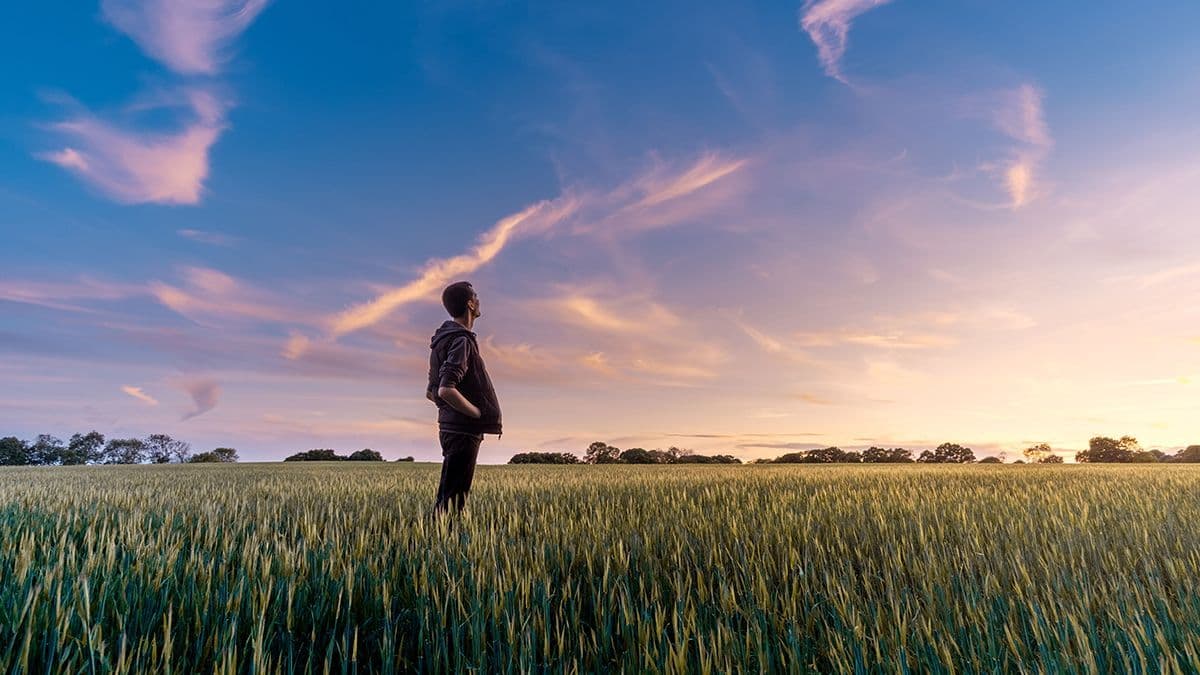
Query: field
{"type": "Point", "coordinates": [336, 568]}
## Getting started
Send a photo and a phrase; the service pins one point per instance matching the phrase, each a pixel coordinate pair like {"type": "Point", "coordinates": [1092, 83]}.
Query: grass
{"type": "Point", "coordinates": [320, 567]}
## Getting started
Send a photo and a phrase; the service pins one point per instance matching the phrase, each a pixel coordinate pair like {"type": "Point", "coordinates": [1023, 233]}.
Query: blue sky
{"type": "Point", "coordinates": [721, 226]}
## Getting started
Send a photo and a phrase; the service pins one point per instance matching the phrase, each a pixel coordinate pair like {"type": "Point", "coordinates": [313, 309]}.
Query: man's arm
{"type": "Point", "coordinates": [451, 372]}
{"type": "Point", "coordinates": [455, 398]}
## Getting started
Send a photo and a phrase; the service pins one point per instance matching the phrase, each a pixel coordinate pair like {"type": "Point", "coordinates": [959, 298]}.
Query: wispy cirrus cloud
{"type": "Point", "coordinates": [135, 166]}
{"type": "Point", "coordinates": [191, 38]}
{"type": "Point", "coordinates": [205, 237]}
{"type": "Point", "coordinates": [129, 160]}
{"type": "Point", "coordinates": [208, 293]}
{"type": "Point", "coordinates": [828, 23]}
{"type": "Point", "coordinates": [594, 211]}
{"type": "Point", "coordinates": [205, 394]}
{"type": "Point", "coordinates": [140, 395]}
{"type": "Point", "coordinates": [439, 272]}
{"type": "Point", "coordinates": [1018, 114]}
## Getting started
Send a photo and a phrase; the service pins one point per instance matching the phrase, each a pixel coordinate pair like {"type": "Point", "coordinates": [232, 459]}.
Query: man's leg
{"type": "Point", "coordinates": [459, 453]}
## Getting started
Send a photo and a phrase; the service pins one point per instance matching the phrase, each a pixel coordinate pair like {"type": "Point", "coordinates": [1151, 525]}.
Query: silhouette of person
{"type": "Point", "coordinates": [460, 387]}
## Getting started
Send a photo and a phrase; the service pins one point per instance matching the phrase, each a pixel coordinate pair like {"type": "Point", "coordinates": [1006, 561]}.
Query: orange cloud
{"type": "Point", "coordinates": [137, 393]}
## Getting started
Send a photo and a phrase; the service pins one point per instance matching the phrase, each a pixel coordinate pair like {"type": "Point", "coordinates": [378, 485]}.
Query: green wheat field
{"type": "Point", "coordinates": [334, 568]}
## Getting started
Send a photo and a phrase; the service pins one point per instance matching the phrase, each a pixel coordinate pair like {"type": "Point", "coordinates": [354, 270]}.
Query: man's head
{"type": "Point", "coordinates": [461, 301]}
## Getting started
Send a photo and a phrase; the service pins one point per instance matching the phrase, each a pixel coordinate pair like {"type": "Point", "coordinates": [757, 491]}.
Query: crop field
{"type": "Point", "coordinates": [321, 567]}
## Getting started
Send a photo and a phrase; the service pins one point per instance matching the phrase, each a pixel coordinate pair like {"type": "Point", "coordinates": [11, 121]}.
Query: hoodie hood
{"type": "Point", "coordinates": [449, 328]}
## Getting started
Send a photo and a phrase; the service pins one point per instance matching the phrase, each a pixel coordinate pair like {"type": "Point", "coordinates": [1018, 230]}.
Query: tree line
{"type": "Point", "coordinates": [92, 448]}
{"type": "Point", "coordinates": [1101, 449]}
{"type": "Point", "coordinates": [328, 455]}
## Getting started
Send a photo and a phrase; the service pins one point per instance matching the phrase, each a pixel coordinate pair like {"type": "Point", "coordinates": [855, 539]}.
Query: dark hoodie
{"type": "Point", "coordinates": [454, 361]}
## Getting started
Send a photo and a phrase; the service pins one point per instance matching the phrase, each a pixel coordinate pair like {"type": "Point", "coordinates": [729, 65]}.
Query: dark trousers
{"type": "Point", "coordinates": [459, 452]}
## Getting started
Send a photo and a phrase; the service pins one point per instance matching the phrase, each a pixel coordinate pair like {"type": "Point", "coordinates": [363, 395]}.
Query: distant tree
{"type": "Point", "coordinates": [219, 455]}
{"type": "Point", "coordinates": [991, 460]}
{"type": "Point", "coordinates": [84, 449]}
{"type": "Point", "coordinates": [544, 458]}
{"type": "Point", "coordinates": [643, 456]}
{"type": "Point", "coordinates": [792, 458]}
{"type": "Point", "coordinates": [1149, 456]}
{"type": "Point", "coordinates": [124, 451]}
{"type": "Point", "coordinates": [1021, 461]}
{"type": "Point", "coordinates": [405, 459]}
{"type": "Point", "coordinates": [601, 453]}
{"type": "Point", "coordinates": [948, 453]}
{"type": "Point", "coordinates": [1035, 453]}
{"type": "Point", "coordinates": [162, 449]}
{"type": "Point", "coordinates": [877, 455]}
{"type": "Point", "coordinates": [365, 455]}
{"type": "Point", "coordinates": [675, 453]}
{"type": "Point", "coordinates": [830, 455]}
{"type": "Point", "coordinates": [1190, 454]}
{"type": "Point", "coordinates": [13, 451]}
{"type": "Point", "coordinates": [1105, 449]}
{"type": "Point", "coordinates": [46, 450]}
{"type": "Point", "coordinates": [707, 459]}
{"type": "Point", "coordinates": [317, 455]}
{"type": "Point", "coordinates": [1051, 459]}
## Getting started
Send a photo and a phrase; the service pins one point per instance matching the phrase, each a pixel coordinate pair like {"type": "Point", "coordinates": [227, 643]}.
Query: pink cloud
{"type": "Point", "coordinates": [190, 38]}
{"type": "Point", "coordinates": [138, 167]}
{"type": "Point", "coordinates": [204, 392]}
{"type": "Point", "coordinates": [140, 395]}
{"type": "Point", "coordinates": [828, 23]}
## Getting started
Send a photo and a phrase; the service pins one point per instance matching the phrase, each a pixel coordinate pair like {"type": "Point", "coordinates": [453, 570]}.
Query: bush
{"type": "Point", "coordinates": [365, 455]}
{"type": "Point", "coordinates": [320, 455]}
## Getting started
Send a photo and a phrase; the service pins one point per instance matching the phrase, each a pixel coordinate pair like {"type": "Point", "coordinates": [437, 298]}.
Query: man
{"type": "Point", "coordinates": [460, 386]}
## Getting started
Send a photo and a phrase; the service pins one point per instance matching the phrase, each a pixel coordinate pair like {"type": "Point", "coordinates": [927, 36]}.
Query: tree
{"type": "Point", "coordinates": [544, 458]}
{"type": "Point", "coordinates": [675, 453]}
{"type": "Point", "coordinates": [219, 455]}
{"type": "Point", "coordinates": [46, 450]}
{"type": "Point", "coordinates": [13, 451]}
{"type": "Point", "coordinates": [84, 449]}
{"type": "Point", "coordinates": [643, 456]}
{"type": "Point", "coordinates": [991, 460]}
{"type": "Point", "coordinates": [830, 455]}
{"type": "Point", "coordinates": [406, 459]}
{"type": "Point", "coordinates": [948, 453]}
{"type": "Point", "coordinates": [1035, 453]}
{"type": "Point", "coordinates": [1190, 454]}
{"type": "Point", "coordinates": [124, 451]}
{"type": "Point", "coordinates": [601, 453]}
{"type": "Point", "coordinates": [318, 455]}
{"type": "Point", "coordinates": [879, 455]}
{"type": "Point", "coordinates": [365, 455]}
{"type": "Point", "coordinates": [707, 459]}
{"type": "Point", "coordinates": [1105, 449]}
{"type": "Point", "coordinates": [161, 449]}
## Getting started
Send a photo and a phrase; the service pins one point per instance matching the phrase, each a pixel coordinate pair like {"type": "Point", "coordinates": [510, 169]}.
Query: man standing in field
{"type": "Point", "coordinates": [460, 386]}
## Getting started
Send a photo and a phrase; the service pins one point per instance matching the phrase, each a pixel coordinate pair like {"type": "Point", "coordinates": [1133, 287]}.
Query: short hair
{"type": "Point", "coordinates": [456, 296]}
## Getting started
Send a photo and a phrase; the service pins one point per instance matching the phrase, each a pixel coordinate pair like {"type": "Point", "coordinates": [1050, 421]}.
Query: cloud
{"type": "Point", "coordinates": [1018, 115]}
{"type": "Point", "coordinates": [212, 293]}
{"type": "Point", "coordinates": [214, 238]}
{"type": "Point", "coordinates": [205, 394]}
{"type": "Point", "coordinates": [137, 393]}
{"type": "Point", "coordinates": [828, 22]}
{"type": "Point", "coordinates": [622, 207]}
{"type": "Point", "coordinates": [611, 315]}
{"type": "Point", "coordinates": [439, 272]}
{"type": "Point", "coordinates": [138, 167]}
{"type": "Point", "coordinates": [190, 38]}
{"type": "Point", "coordinates": [53, 294]}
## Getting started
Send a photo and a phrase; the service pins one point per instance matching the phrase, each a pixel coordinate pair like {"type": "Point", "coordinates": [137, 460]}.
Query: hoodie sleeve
{"type": "Point", "coordinates": [457, 359]}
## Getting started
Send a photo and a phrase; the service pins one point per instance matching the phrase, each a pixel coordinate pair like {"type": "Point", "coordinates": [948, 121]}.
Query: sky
{"type": "Point", "coordinates": [737, 228]}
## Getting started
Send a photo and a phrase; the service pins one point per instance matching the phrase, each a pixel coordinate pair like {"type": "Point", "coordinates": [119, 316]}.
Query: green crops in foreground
{"type": "Point", "coordinates": [333, 568]}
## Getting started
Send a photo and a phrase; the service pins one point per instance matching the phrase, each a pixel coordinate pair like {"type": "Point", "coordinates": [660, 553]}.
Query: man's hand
{"type": "Point", "coordinates": [459, 402]}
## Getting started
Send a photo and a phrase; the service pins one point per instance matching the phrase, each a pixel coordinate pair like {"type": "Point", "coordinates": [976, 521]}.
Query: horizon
{"type": "Point", "coordinates": [736, 229]}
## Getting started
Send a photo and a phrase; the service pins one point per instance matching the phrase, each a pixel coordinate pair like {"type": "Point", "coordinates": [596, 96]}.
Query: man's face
{"type": "Point", "coordinates": [473, 306]}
